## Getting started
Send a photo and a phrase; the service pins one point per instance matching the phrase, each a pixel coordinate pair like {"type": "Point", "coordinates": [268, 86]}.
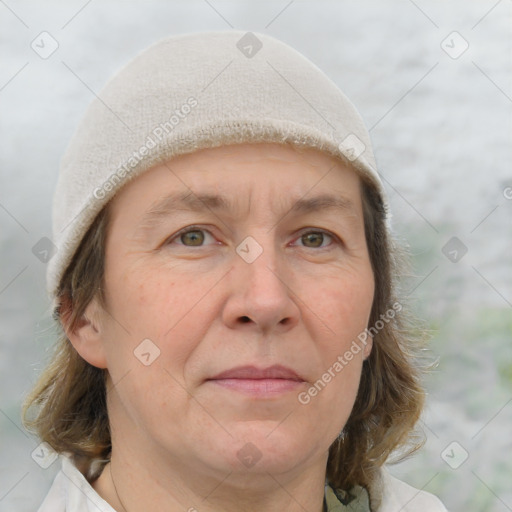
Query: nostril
{"type": "Point", "coordinates": [245, 319]}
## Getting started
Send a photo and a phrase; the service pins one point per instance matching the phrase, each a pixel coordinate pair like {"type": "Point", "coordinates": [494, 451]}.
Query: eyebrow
{"type": "Point", "coordinates": [199, 202]}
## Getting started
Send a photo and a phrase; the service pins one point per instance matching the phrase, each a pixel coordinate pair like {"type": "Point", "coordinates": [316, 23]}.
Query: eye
{"type": "Point", "coordinates": [191, 237]}
{"type": "Point", "coordinates": [315, 239]}
{"type": "Point", "coordinates": [194, 236]}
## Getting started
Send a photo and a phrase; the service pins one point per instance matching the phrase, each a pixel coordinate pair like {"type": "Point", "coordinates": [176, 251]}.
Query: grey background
{"type": "Point", "coordinates": [441, 130]}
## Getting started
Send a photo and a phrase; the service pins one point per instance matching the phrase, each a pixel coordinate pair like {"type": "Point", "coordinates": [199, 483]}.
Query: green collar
{"type": "Point", "coordinates": [357, 500]}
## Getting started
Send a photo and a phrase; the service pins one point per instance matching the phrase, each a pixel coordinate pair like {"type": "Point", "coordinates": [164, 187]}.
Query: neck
{"type": "Point", "coordinates": [126, 487]}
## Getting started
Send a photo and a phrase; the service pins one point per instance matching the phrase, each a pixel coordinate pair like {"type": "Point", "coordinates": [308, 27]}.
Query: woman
{"type": "Point", "coordinates": [225, 285]}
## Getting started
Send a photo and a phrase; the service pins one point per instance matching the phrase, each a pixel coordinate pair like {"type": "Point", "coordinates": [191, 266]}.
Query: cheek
{"type": "Point", "coordinates": [152, 304]}
{"type": "Point", "coordinates": [344, 304]}
{"type": "Point", "coordinates": [145, 298]}
{"type": "Point", "coordinates": [163, 305]}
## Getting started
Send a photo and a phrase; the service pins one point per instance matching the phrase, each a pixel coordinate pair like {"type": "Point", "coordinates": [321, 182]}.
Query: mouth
{"type": "Point", "coordinates": [270, 381]}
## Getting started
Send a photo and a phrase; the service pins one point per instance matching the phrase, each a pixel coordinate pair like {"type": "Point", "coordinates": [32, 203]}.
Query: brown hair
{"type": "Point", "coordinates": [71, 394]}
{"type": "Point", "coordinates": [390, 398]}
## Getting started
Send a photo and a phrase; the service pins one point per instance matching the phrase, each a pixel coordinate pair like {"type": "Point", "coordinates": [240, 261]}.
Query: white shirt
{"type": "Point", "coordinates": [71, 492]}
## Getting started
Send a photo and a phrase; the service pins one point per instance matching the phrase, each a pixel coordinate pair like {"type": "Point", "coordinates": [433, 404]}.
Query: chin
{"type": "Point", "coordinates": [266, 447]}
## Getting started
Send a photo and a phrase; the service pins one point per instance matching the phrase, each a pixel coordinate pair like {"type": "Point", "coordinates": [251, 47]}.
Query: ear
{"type": "Point", "coordinates": [86, 336]}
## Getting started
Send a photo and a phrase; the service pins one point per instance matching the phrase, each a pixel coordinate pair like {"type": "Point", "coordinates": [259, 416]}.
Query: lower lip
{"type": "Point", "coordinates": [259, 387]}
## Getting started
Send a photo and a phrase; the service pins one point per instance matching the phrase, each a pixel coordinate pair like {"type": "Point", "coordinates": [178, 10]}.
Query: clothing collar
{"type": "Point", "coordinates": [357, 500]}
{"type": "Point", "coordinates": [335, 500]}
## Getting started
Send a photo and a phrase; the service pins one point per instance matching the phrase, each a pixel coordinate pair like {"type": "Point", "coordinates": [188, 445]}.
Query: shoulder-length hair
{"type": "Point", "coordinates": [70, 395]}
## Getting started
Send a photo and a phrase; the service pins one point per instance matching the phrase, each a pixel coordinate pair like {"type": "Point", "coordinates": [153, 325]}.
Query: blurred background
{"type": "Point", "coordinates": [433, 81]}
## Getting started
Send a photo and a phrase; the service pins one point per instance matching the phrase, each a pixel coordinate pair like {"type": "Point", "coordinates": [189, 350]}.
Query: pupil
{"type": "Point", "coordinates": [312, 236]}
{"type": "Point", "coordinates": [195, 237]}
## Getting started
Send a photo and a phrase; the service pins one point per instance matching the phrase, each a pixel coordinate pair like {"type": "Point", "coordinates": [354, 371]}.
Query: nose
{"type": "Point", "coordinates": [261, 296]}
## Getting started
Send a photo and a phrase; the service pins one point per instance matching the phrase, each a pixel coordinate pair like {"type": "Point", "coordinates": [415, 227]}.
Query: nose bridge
{"type": "Point", "coordinates": [261, 263]}
{"type": "Point", "coordinates": [259, 289]}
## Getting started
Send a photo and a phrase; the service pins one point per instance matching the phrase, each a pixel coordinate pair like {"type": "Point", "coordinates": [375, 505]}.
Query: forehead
{"type": "Point", "coordinates": [233, 178]}
{"type": "Point", "coordinates": [283, 155]}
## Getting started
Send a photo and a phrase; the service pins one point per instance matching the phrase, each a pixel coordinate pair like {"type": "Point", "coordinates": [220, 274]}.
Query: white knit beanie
{"type": "Point", "coordinates": [195, 91]}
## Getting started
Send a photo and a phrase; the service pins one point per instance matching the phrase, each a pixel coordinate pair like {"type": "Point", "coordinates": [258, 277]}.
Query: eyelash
{"type": "Point", "coordinates": [199, 228]}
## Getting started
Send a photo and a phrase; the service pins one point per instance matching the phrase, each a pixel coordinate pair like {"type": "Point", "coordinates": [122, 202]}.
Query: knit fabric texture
{"type": "Point", "coordinates": [190, 92]}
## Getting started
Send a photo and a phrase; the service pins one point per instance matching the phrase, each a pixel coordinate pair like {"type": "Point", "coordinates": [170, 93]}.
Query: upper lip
{"type": "Point", "coordinates": [251, 372]}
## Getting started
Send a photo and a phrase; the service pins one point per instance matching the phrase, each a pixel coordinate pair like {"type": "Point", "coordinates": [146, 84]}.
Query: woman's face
{"type": "Point", "coordinates": [228, 303]}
